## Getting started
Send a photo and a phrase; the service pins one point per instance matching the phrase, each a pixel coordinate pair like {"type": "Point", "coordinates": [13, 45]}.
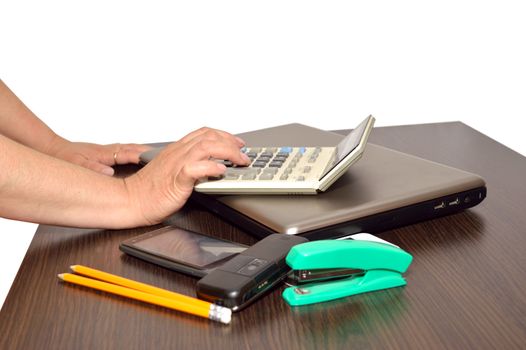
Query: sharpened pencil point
{"type": "Point", "coordinates": [61, 276]}
{"type": "Point", "coordinates": [73, 267]}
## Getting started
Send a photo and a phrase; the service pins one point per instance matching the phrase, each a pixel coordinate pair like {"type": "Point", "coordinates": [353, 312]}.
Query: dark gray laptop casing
{"type": "Point", "coordinates": [384, 189]}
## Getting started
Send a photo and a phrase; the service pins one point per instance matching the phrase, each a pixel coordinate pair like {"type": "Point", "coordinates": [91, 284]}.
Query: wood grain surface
{"type": "Point", "coordinates": [466, 286]}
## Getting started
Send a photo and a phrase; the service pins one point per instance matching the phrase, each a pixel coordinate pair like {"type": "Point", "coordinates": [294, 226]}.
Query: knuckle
{"type": "Point", "coordinates": [185, 171]}
{"type": "Point", "coordinates": [202, 146]}
{"type": "Point", "coordinates": [211, 134]}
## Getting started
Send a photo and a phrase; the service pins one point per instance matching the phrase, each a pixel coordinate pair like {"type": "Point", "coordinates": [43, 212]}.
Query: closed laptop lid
{"type": "Point", "coordinates": [382, 180]}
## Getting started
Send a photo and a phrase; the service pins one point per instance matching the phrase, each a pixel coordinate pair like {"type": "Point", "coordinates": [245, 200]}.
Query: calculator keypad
{"type": "Point", "coordinates": [280, 163]}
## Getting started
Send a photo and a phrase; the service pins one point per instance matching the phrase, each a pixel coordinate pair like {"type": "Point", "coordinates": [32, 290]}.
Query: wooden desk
{"type": "Point", "coordinates": [466, 287]}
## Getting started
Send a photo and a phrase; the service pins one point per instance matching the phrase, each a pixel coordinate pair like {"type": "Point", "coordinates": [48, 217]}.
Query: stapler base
{"type": "Point", "coordinates": [319, 292]}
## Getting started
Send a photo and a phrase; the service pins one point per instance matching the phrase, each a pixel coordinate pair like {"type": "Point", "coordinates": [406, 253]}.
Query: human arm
{"type": "Point", "coordinates": [20, 124]}
{"type": "Point", "coordinates": [39, 188]}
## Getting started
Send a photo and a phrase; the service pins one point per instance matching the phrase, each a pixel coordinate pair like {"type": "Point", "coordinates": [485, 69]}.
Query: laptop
{"type": "Point", "coordinates": [285, 169]}
{"type": "Point", "coordinates": [385, 189]}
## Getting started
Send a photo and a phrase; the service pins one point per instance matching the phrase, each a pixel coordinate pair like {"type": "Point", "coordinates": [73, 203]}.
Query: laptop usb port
{"type": "Point", "coordinates": [455, 202]}
{"type": "Point", "coordinates": [442, 205]}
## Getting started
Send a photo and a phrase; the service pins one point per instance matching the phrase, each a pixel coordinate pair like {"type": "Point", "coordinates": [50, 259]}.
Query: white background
{"type": "Point", "coordinates": [146, 71]}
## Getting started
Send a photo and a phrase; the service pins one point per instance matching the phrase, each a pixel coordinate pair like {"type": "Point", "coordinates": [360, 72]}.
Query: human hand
{"type": "Point", "coordinates": [99, 158]}
{"type": "Point", "coordinates": [164, 185]}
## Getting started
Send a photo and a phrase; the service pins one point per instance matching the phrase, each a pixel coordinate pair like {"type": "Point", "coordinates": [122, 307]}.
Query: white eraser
{"type": "Point", "coordinates": [226, 316]}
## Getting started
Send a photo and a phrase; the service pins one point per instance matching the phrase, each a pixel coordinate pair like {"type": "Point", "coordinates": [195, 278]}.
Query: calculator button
{"type": "Point", "coordinates": [227, 163]}
{"type": "Point", "coordinates": [231, 176]}
{"type": "Point", "coordinates": [286, 150]}
{"type": "Point", "coordinates": [266, 176]}
{"type": "Point", "coordinates": [251, 176]}
{"type": "Point", "coordinates": [258, 164]}
{"type": "Point", "coordinates": [275, 164]}
{"type": "Point", "coordinates": [267, 154]}
{"type": "Point", "coordinates": [272, 171]}
{"type": "Point", "coordinates": [255, 149]}
{"type": "Point", "coordinates": [307, 169]}
{"type": "Point", "coordinates": [284, 176]}
{"type": "Point", "coordinates": [240, 171]}
{"type": "Point", "coordinates": [271, 149]}
{"type": "Point", "coordinates": [300, 178]}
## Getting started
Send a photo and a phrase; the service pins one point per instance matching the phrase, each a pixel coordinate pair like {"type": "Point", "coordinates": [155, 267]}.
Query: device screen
{"type": "Point", "coordinates": [348, 144]}
{"type": "Point", "coordinates": [187, 247]}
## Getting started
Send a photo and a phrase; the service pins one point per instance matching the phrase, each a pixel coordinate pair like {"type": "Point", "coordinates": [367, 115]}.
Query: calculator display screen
{"type": "Point", "coordinates": [348, 144]}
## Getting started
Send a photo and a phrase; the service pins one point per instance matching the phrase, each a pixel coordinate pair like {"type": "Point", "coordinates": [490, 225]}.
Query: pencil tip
{"type": "Point", "coordinates": [73, 267]}
{"type": "Point", "coordinates": [61, 276]}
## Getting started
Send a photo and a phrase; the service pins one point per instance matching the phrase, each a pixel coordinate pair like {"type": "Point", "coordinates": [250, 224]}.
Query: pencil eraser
{"type": "Point", "coordinates": [226, 315]}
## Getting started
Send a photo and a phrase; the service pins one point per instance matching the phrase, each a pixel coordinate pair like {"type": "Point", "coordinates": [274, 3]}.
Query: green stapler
{"type": "Point", "coordinates": [327, 270]}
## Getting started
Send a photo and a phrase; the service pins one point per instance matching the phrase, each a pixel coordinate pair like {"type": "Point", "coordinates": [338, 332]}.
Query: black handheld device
{"type": "Point", "coordinates": [182, 250]}
{"type": "Point", "coordinates": [251, 273]}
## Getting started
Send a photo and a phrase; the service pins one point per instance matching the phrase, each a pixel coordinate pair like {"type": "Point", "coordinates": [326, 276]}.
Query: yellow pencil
{"type": "Point", "coordinates": [213, 312]}
{"type": "Point", "coordinates": [143, 287]}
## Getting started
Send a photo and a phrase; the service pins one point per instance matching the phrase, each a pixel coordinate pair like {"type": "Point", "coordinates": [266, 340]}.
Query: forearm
{"type": "Point", "coordinates": [38, 188]}
{"type": "Point", "coordinates": [18, 123]}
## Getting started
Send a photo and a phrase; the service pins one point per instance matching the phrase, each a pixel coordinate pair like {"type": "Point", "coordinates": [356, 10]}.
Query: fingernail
{"type": "Point", "coordinates": [245, 158]}
{"type": "Point", "coordinates": [108, 171]}
{"type": "Point", "coordinates": [221, 166]}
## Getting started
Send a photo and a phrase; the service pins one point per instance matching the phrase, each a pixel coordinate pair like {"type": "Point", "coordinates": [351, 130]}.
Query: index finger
{"type": "Point", "coordinates": [204, 149]}
{"type": "Point", "coordinates": [213, 134]}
